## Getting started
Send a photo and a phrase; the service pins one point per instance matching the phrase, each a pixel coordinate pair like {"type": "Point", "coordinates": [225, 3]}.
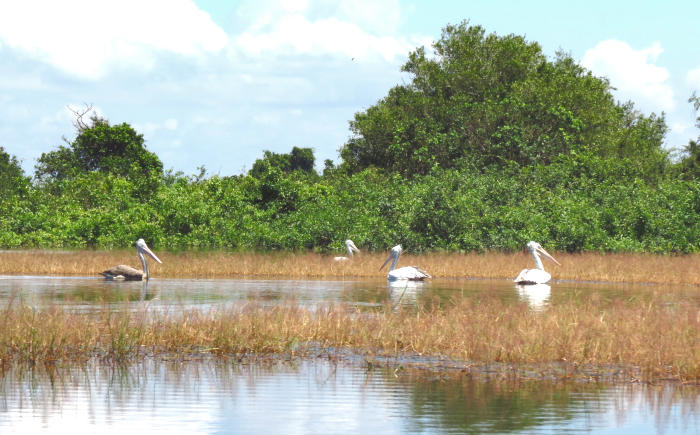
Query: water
{"type": "Point", "coordinates": [317, 395]}
{"type": "Point", "coordinates": [322, 397]}
{"type": "Point", "coordinates": [86, 293]}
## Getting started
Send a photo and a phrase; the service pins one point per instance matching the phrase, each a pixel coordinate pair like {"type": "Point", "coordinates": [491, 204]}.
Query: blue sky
{"type": "Point", "coordinates": [215, 83]}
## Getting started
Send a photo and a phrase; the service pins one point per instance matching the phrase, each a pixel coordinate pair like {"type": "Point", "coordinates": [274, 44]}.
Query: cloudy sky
{"type": "Point", "coordinates": [214, 83]}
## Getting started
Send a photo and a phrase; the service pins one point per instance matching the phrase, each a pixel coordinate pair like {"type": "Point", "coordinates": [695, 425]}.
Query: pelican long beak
{"type": "Point", "coordinates": [148, 251]}
{"type": "Point", "coordinates": [387, 260]}
{"type": "Point", "coordinates": [354, 248]}
{"type": "Point", "coordinates": [547, 256]}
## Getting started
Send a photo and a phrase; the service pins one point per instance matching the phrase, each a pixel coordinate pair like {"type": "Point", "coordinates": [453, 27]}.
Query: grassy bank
{"type": "Point", "coordinates": [633, 268]}
{"type": "Point", "coordinates": [661, 340]}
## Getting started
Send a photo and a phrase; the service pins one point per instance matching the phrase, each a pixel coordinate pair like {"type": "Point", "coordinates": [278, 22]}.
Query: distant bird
{"type": "Point", "coordinates": [410, 273]}
{"type": "Point", "coordinates": [350, 246]}
{"type": "Point", "coordinates": [538, 275]}
{"type": "Point", "coordinates": [129, 273]}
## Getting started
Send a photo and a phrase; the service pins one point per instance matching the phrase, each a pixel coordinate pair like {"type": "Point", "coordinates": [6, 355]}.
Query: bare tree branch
{"type": "Point", "coordinates": [79, 122]}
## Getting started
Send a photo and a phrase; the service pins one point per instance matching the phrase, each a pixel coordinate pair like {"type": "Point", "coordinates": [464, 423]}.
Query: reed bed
{"type": "Point", "coordinates": [633, 268]}
{"type": "Point", "coordinates": [658, 339]}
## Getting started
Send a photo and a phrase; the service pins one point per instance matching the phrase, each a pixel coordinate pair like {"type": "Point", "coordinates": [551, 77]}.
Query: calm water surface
{"type": "Point", "coordinates": [94, 293]}
{"type": "Point", "coordinates": [317, 396]}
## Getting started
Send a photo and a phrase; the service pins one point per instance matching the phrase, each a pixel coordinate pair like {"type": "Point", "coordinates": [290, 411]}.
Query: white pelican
{"type": "Point", "coordinates": [535, 276]}
{"type": "Point", "coordinates": [411, 273]}
{"type": "Point", "coordinates": [129, 273]}
{"type": "Point", "coordinates": [350, 245]}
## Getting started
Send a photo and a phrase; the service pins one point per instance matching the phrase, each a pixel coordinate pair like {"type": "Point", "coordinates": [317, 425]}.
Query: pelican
{"type": "Point", "coordinates": [536, 276]}
{"type": "Point", "coordinates": [129, 273]}
{"type": "Point", "coordinates": [410, 273]}
{"type": "Point", "coordinates": [350, 245]}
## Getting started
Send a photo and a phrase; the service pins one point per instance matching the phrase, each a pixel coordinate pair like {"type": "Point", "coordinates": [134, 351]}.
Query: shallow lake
{"type": "Point", "coordinates": [94, 293]}
{"type": "Point", "coordinates": [318, 396]}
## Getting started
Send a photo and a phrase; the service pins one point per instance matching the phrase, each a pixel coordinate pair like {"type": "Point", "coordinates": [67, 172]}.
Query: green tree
{"type": "Point", "coordinates": [488, 100]}
{"type": "Point", "coordinates": [12, 178]}
{"type": "Point", "coordinates": [690, 164]}
{"type": "Point", "coordinates": [300, 159]}
{"type": "Point", "coordinates": [101, 147]}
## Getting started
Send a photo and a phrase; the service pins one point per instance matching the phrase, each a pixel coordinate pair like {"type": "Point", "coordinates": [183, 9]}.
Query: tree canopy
{"type": "Point", "coordinates": [299, 159]}
{"type": "Point", "coordinates": [489, 100]}
{"type": "Point", "coordinates": [690, 164]}
{"type": "Point", "coordinates": [100, 147]}
{"type": "Point", "coordinates": [12, 179]}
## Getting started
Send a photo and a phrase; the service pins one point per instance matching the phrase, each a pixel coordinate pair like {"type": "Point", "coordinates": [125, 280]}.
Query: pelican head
{"type": "Point", "coordinates": [394, 254]}
{"type": "Point", "coordinates": [536, 249]}
{"type": "Point", "coordinates": [141, 247]}
{"type": "Point", "coordinates": [350, 245]}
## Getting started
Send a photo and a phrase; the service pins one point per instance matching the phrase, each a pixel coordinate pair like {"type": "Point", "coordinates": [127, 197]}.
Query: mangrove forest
{"type": "Point", "coordinates": [490, 144]}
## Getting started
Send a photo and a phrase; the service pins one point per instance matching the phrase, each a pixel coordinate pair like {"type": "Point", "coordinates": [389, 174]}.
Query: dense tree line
{"type": "Point", "coordinates": [488, 146]}
{"type": "Point", "coordinates": [485, 100]}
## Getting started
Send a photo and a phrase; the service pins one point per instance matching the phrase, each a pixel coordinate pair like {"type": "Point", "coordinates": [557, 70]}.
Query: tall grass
{"type": "Point", "coordinates": [660, 340]}
{"type": "Point", "coordinates": [680, 269]}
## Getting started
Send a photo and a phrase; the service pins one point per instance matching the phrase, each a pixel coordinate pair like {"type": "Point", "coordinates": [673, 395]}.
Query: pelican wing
{"type": "Point", "coordinates": [532, 276]}
{"type": "Point", "coordinates": [123, 272]}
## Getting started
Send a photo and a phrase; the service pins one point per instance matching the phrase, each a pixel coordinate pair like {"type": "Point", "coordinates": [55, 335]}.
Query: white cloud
{"type": "Point", "coordinates": [378, 16]}
{"type": "Point", "coordinates": [294, 5]}
{"type": "Point", "coordinates": [86, 38]}
{"type": "Point", "coordinates": [633, 73]}
{"type": "Point", "coordinates": [317, 28]}
{"type": "Point", "coordinates": [198, 105]}
{"type": "Point", "coordinates": [693, 79]}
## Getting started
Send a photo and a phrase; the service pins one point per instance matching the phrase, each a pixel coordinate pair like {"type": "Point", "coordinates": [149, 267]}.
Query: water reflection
{"type": "Point", "coordinates": [84, 294]}
{"type": "Point", "coordinates": [472, 406]}
{"type": "Point", "coordinates": [405, 292]}
{"type": "Point", "coordinates": [536, 295]}
{"type": "Point", "coordinates": [316, 396]}
{"type": "Point", "coordinates": [320, 397]}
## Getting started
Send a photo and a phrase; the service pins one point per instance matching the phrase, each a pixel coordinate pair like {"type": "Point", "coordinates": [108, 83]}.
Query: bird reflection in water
{"type": "Point", "coordinates": [405, 292]}
{"type": "Point", "coordinates": [536, 295]}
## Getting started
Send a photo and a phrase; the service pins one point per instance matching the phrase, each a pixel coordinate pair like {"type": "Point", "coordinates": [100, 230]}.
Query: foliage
{"type": "Point", "coordinates": [489, 146]}
{"type": "Point", "coordinates": [579, 202]}
{"type": "Point", "coordinates": [12, 178]}
{"type": "Point", "coordinates": [300, 159]}
{"type": "Point", "coordinates": [101, 147]}
{"type": "Point", "coordinates": [488, 100]}
{"type": "Point", "coordinates": [690, 165]}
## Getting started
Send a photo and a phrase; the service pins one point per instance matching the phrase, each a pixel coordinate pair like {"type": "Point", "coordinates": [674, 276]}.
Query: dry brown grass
{"type": "Point", "coordinates": [632, 268]}
{"type": "Point", "coordinates": [658, 339]}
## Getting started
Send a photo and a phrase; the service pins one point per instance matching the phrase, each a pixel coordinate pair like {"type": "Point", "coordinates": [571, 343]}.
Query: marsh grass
{"type": "Point", "coordinates": [659, 339]}
{"type": "Point", "coordinates": [633, 268]}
